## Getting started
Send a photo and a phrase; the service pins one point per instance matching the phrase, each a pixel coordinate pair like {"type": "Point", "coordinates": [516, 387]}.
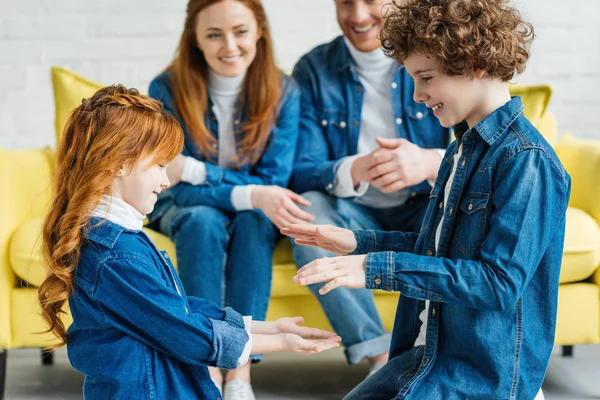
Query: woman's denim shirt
{"type": "Point", "coordinates": [331, 106]}
{"type": "Point", "coordinates": [273, 168]}
{"type": "Point", "coordinates": [135, 333]}
{"type": "Point", "coordinates": [494, 287]}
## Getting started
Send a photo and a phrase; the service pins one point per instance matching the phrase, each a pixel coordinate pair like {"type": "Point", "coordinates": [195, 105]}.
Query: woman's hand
{"type": "Point", "coordinates": [327, 237]}
{"type": "Point", "coordinates": [348, 271]}
{"type": "Point", "coordinates": [291, 325]}
{"type": "Point", "coordinates": [280, 205]}
{"type": "Point", "coordinates": [175, 169]}
{"type": "Point", "coordinates": [295, 344]}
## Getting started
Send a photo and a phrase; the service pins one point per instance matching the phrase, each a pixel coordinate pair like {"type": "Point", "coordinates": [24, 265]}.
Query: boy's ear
{"type": "Point", "coordinates": [479, 73]}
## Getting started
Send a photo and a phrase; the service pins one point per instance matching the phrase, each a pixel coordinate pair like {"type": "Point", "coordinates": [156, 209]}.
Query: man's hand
{"type": "Point", "coordinates": [407, 165]}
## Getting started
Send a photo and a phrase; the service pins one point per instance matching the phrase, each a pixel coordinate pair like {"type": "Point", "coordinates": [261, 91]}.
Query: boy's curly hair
{"type": "Point", "coordinates": [464, 35]}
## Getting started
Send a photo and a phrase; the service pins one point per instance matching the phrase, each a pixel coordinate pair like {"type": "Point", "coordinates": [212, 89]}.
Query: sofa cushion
{"type": "Point", "coordinates": [581, 254]}
{"type": "Point", "coordinates": [535, 100]}
{"type": "Point", "coordinates": [69, 90]}
{"type": "Point", "coordinates": [25, 247]}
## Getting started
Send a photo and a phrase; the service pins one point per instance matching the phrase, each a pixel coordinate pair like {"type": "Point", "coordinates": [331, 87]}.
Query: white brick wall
{"type": "Point", "coordinates": [130, 41]}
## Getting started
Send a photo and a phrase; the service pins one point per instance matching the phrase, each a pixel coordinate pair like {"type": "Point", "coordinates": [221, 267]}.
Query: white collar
{"type": "Point", "coordinates": [370, 61]}
{"type": "Point", "coordinates": [118, 211]}
{"type": "Point", "coordinates": [225, 85]}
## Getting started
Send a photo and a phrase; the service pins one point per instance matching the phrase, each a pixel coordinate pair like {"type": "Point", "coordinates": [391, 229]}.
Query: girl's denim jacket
{"type": "Point", "coordinates": [493, 285]}
{"type": "Point", "coordinates": [273, 168]}
{"type": "Point", "coordinates": [135, 333]}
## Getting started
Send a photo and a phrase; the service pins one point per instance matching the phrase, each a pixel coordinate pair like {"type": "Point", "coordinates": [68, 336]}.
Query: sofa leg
{"type": "Point", "coordinates": [3, 356]}
{"type": "Point", "coordinates": [567, 351]}
{"type": "Point", "coordinates": [47, 357]}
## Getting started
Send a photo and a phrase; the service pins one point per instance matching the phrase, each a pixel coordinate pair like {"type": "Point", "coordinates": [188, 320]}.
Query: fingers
{"type": "Point", "coordinates": [387, 179]}
{"type": "Point", "coordinates": [334, 284]}
{"type": "Point", "coordinates": [302, 230]}
{"type": "Point", "coordinates": [319, 277]}
{"type": "Point", "coordinates": [298, 199]}
{"type": "Point", "coordinates": [299, 213]}
{"type": "Point", "coordinates": [389, 143]}
{"type": "Point", "coordinates": [319, 265]}
{"type": "Point", "coordinates": [394, 186]}
{"type": "Point", "coordinates": [381, 170]}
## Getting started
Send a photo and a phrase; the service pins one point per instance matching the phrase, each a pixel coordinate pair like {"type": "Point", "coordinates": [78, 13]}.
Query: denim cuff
{"type": "Point", "coordinates": [379, 271]}
{"type": "Point", "coordinates": [328, 172]}
{"type": "Point", "coordinates": [229, 339]}
{"type": "Point", "coordinates": [366, 242]}
{"type": "Point", "coordinates": [369, 348]}
{"type": "Point", "coordinates": [214, 174]}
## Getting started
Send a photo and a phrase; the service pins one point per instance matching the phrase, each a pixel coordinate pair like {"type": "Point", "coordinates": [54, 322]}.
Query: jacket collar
{"type": "Point", "coordinates": [104, 232]}
{"type": "Point", "coordinates": [494, 125]}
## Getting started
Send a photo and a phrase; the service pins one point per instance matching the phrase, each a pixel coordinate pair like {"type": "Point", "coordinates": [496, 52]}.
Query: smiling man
{"type": "Point", "coordinates": [366, 154]}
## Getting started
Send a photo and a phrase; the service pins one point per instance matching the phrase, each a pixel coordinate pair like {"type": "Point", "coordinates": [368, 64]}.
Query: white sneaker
{"type": "Point", "coordinates": [238, 390]}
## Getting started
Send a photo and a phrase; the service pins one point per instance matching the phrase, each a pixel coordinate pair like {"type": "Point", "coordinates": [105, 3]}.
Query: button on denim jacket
{"type": "Point", "coordinates": [273, 168]}
{"type": "Point", "coordinates": [135, 334]}
{"type": "Point", "coordinates": [494, 287]}
{"type": "Point", "coordinates": [332, 98]}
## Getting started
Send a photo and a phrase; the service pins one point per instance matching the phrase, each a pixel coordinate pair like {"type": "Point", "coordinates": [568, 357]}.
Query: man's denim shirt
{"type": "Point", "coordinates": [135, 334]}
{"type": "Point", "coordinates": [273, 168]}
{"type": "Point", "coordinates": [494, 287]}
{"type": "Point", "coordinates": [331, 105]}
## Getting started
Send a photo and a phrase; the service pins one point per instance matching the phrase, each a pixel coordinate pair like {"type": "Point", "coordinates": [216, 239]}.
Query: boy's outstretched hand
{"type": "Point", "coordinates": [295, 344]}
{"type": "Point", "coordinates": [327, 237]}
{"type": "Point", "coordinates": [347, 271]}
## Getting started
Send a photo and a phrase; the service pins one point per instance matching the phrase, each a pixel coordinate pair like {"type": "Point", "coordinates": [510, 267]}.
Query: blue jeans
{"type": "Point", "coordinates": [352, 312]}
{"type": "Point", "coordinates": [388, 382]}
{"type": "Point", "coordinates": [224, 257]}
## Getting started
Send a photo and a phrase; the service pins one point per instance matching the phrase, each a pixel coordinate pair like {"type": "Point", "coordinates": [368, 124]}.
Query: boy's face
{"type": "Point", "coordinates": [453, 98]}
{"type": "Point", "coordinates": [140, 185]}
{"type": "Point", "coordinates": [361, 21]}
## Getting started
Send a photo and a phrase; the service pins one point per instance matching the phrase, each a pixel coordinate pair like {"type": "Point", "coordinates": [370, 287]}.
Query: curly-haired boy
{"type": "Point", "coordinates": [479, 282]}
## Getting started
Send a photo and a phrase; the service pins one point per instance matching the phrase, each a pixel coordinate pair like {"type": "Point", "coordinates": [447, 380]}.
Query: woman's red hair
{"type": "Point", "coordinates": [260, 93]}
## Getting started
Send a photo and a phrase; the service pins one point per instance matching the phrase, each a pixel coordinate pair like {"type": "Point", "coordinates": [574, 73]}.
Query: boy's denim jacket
{"type": "Point", "coordinates": [331, 105]}
{"type": "Point", "coordinates": [273, 168]}
{"type": "Point", "coordinates": [135, 333]}
{"type": "Point", "coordinates": [494, 287]}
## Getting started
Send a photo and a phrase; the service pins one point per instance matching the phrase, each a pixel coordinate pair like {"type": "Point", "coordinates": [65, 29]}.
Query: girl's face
{"type": "Point", "coordinates": [140, 184]}
{"type": "Point", "coordinates": [227, 33]}
{"type": "Point", "coordinates": [361, 21]}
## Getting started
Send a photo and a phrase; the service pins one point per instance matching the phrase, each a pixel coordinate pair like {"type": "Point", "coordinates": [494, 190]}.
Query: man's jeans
{"type": "Point", "coordinates": [224, 257]}
{"type": "Point", "coordinates": [352, 312]}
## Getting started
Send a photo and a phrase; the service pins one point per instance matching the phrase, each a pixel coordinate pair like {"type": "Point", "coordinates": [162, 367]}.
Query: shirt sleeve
{"type": "Point", "coordinates": [344, 184]}
{"type": "Point", "coordinates": [136, 300]}
{"type": "Point", "coordinates": [194, 171]}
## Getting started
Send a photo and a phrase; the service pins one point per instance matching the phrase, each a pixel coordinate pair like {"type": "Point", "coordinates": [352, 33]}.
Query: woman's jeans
{"type": "Point", "coordinates": [352, 312]}
{"type": "Point", "coordinates": [224, 257]}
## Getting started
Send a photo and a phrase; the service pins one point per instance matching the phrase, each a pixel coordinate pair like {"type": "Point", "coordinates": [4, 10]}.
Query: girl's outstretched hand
{"type": "Point", "coordinates": [327, 237]}
{"type": "Point", "coordinates": [347, 271]}
{"type": "Point", "coordinates": [291, 325]}
{"type": "Point", "coordinates": [293, 343]}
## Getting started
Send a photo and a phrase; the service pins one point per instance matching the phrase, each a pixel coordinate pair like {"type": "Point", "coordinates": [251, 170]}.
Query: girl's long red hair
{"type": "Point", "coordinates": [114, 128]}
{"type": "Point", "coordinates": [260, 94]}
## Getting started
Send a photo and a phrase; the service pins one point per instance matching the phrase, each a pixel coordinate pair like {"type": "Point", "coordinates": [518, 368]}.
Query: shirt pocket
{"type": "Point", "coordinates": [471, 222]}
{"type": "Point", "coordinates": [336, 128]}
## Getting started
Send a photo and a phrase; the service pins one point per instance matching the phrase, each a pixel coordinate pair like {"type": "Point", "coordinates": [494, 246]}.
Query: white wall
{"type": "Point", "coordinates": [130, 41]}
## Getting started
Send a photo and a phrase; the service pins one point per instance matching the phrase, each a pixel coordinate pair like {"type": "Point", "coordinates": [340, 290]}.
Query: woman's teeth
{"type": "Point", "coordinates": [230, 59]}
{"type": "Point", "coordinates": [362, 29]}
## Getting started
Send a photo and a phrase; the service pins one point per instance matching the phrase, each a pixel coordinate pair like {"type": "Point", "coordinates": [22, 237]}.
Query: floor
{"type": "Point", "coordinates": [285, 377]}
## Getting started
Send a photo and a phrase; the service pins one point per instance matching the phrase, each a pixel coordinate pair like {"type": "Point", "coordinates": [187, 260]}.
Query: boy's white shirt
{"type": "Point", "coordinates": [224, 92]}
{"type": "Point", "coordinates": [425, 313]}
{"type": "Point", "coordinates": [118, 211]}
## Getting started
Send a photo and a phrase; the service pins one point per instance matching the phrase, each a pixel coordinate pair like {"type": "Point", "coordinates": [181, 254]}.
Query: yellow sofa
{"type": "Point", "coordinates": [25, 177]}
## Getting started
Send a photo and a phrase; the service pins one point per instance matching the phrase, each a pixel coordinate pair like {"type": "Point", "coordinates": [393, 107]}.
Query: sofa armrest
{"type": "Point", "coordinates": [581, 159]}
